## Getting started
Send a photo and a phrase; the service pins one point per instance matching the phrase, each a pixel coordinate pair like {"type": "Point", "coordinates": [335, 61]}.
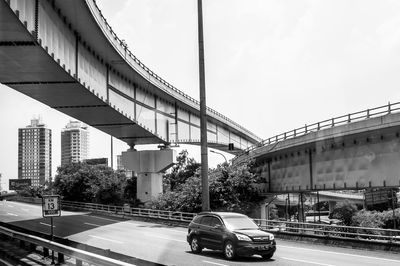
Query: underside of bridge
{"type": "Point", "coordinates": [28, 68]}
{"type": "Point", "coordinates": [65, 55]}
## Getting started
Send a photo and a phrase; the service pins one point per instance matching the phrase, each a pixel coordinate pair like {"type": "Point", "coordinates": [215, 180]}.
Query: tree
{"type": "Point", "coordinates": [91, 183]}
{"type": "Point", "coordinates": [73, 182]}
{"type": "Point", "coordinates": [130, 191]}
{"type": "Point", "coordinates": [185, 198]}
{"type": "Point", "coordinates": [377, 219]}
{"type": "Point", "coordinates": [184, 168]}
{"type": "Point", "coordinates": [344, 211]}
{"type": "Point", "coordinates": [365, 218]}
{"type": "Point", "coordinates": [31, 191]}
{"type": "Point", "coordinates": [231, 188]}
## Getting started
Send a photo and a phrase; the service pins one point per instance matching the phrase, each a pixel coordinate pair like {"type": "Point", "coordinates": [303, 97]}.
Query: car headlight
{"type": "Point", "coordinates": [271, 237]}
{"type": "Point", "coordinates": [241, 237]}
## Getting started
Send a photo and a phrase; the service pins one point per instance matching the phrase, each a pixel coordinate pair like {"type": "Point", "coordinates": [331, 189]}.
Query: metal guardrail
{"type": "Point", "coordinates": [329, 123]}
{"type": "Point", "coordinates": [309, 229]}
{"type": "Point", "coordinates": [119, 210]}
{"type": "Point", "coordinates": [328, 230]}
{"type": "Point", "coordinates": [79, 255]}
{"type": "Point", "coordinates": [128, 211]}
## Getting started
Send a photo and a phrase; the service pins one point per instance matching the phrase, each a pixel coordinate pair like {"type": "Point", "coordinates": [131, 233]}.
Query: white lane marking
{"type": "Point", "coordinates": [166, 238]}
{"type": "Point", "coordinates": [112, 220]}
{"type": "Point", "coordinates": [11, 214]}
{"type": "Point", "coordinates": [47, 224]}
{"type": "Point", "coordinates": [107, 219]}
{"type": "Point", "coordinates": [307, 261]}
{"type": "Point", "coordinates": [220, 264]}
{"type": "Point", "coordinates": [174, 230]}
{"type": "Point", "coordinates": [339, 253]}
{"type": "Point", "coordinates": [93, 224]}
{"type": "Point", "coordinates": [107, 239]}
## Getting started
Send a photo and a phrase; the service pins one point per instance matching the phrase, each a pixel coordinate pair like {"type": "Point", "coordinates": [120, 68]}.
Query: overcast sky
{"type": "Point", "coordinates": [270, 65]}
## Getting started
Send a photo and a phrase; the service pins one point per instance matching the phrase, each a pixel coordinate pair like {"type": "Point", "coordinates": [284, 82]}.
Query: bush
{"type": "Point", "coordinates": [372, 219]}
{"type": "Point", "coordinates": [231, 189]}
{"type": "Point", "coordinates": [344, 211]}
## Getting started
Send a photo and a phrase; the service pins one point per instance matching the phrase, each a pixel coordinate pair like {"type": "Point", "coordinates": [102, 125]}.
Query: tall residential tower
{"type": "Point", "coordinates": [34, 152]}
{"type": "Point", "coordinates": [74, 143]}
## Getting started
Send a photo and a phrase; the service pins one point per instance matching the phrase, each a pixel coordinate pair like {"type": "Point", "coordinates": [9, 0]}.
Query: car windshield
{"type": "Point", "coordinates": [237, 223]}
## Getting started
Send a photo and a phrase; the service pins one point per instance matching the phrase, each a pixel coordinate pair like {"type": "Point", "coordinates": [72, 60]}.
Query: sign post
{"type": "Point", "coordinates": [51, 208]}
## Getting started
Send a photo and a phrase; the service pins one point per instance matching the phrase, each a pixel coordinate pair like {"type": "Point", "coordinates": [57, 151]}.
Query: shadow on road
{"type": "Point", "coordinates": [218, 255]}
{"type": "Point", "coordinates": [65, 226]}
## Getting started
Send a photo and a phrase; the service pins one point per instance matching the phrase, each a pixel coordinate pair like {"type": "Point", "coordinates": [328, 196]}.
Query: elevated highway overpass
{"type": "Point", "coordinates": [355, 151]}
{"type": "Point", "coordinates": [65, 55]}
{"type": "Point", "coordinates": [312, 198]}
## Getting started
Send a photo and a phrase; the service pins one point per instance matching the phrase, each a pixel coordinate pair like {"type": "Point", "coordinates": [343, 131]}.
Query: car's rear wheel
{"type": "Point", "coordinates": [268, 256]}
{"type": "Point", "coordinates": [195, 245]}
{"type": "Point", "coordinates": [229, 250]}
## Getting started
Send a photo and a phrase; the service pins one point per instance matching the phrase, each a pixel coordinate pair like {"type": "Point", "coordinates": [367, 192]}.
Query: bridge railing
{"type": "Point", "coordinates": [297, 228]}
{"type": "Point", "coordinates": [122, 48]}
{"type": "Point", "coordinates": [310, 229]}
{"type": "Point", "coordinates": [78, 254]}
{"type": "Point", "coordinates": [126, 210]}
{"type": "Point", "coordinates": [329, 230]}
{"type": "Point", "coordinates": [336, 121]}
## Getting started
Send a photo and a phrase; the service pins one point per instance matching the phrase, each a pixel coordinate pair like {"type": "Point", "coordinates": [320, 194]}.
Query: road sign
{"type": "Point", "coordinates": [377, 196]}
{"type": "Point", "coordinates": [51, 206]}
{"type": "Point", "coordinates": [19, 184]}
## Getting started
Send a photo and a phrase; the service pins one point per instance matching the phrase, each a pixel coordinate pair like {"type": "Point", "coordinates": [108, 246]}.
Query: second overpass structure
{"type": "Point", "coordinates": [356, 151]}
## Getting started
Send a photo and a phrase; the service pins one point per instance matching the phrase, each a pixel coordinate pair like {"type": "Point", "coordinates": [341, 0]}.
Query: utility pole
{"type": "Point", "coordinates": [112, 153]}
{"type": "Point", "coordinates": [203, 113]}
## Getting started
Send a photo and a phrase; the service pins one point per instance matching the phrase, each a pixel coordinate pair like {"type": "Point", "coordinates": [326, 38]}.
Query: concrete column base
{"type": "Point", "coordinates": [149, 186]}
{"type": "Point", "coordinates": [332, 205]}
{"type": "Point", "coordinates": [149, 166]}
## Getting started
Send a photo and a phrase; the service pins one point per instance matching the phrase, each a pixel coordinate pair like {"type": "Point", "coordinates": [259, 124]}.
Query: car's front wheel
{"type": "Point", "coordinates": [268, 256]}
{"type": "Point", "coordinates": [194, 245]}
{"type": "Point", "coordinates": [229, 250]}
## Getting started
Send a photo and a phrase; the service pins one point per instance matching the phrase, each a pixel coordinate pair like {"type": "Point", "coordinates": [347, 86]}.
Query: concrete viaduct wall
{"type": "Point", "coordinates": [352, 156]}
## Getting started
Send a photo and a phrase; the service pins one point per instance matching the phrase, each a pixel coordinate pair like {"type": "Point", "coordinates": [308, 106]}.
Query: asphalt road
{"type": "Point", "coordinates": [167, 245]}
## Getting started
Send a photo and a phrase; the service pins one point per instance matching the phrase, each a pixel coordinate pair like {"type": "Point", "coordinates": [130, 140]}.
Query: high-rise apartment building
{"type": "Point", "coordinates": [74, 143]}
{"type": "Point", "coordinates": [34, 152]}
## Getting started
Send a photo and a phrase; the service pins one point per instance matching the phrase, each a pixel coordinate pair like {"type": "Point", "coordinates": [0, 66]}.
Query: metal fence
{"type": "Point", "coordinates": [78, 254]}
{"type": "Point", "coordinates": [328, 230]}
{"type": "Point", "coordinates": [128, 211]}
{"type": "Point", "coordinates": [308, 229]}
{"type": "Point", "coordinates": [336, 121]}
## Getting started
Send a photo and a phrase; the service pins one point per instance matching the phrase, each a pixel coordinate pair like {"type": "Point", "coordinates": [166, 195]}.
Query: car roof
{"type": "Point", "coordinates": [224, 214]}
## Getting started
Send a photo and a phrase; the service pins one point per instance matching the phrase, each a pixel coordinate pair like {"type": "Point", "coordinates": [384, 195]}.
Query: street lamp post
{"type": "Point", "coordinates": [226, 161]}
{"type": "Point", "coordinates": [203, 113]}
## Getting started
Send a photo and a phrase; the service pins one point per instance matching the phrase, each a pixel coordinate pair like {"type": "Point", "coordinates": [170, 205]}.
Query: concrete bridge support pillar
{"type": "Point", "coordinates": [263, 214]}
{"type": "Point", "coordinates": [332, 205]}
{"type": "Point", "coordinates": [149, 166]}
{"type": "Point", "coordinates": [265, 211]}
